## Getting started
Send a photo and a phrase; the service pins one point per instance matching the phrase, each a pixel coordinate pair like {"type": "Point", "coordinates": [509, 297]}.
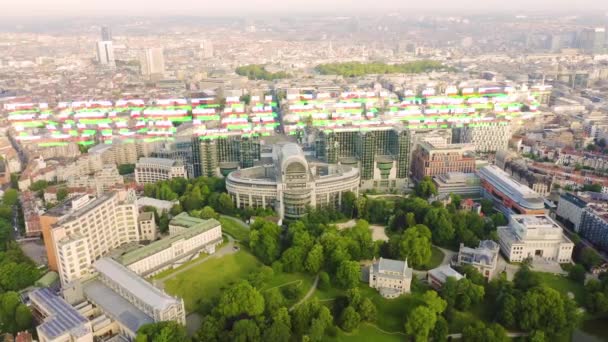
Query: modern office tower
{"type": "Point", "coordinates": [592, 40]}
{"type": "Point", "coordinates": [219, 156]}
{"type": "Point", "coordinates": [534, 236]}
{"type": "Point", "coordinates": [508, 195]}
{"type": "Point", "coordinates": [487, 138]}
{"type": "Point", "coordinates": [81, 231]}
{"type": "Point", "coordinates": [106, 34]}
{"type": "Point", "coordinates": [433, 160]}
{"type": "Point", "coordinates": [105, 53]}
{"type": "Point", "coordinates": [381, 153]}
{"type": "Point", "coordinates": [152, 170]}
{"type": "Point", "coordinates": [594, 224]}
{"type": "Point", "coordinates": [152, 62]}
{"type": "Point", "coordinates": [291, 183]}
{"type": "Point", "coordinates": [206, 49]}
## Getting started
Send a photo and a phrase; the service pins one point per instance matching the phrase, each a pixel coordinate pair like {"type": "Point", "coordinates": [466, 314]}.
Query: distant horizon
{"type": "Point", "coordinates": [262, 8]}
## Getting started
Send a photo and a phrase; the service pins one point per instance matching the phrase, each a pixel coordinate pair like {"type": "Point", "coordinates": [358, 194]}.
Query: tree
{"type": "Point", "coordinates": [348, 274]}
{"type": "Point", "coordinates": [462, 293]}
{"type": "Point", "coordinates": [168, 331]}
{"type": "Point", "coordinates": [292, 259]}
{"type": "Point", "coordinates": [434, 302]}
{"type": "Point", "coordinates": [426, 188]}
{"type": "Point", "coordinates": [349, 200]}
{"type": "Point", "coordinates": [163, 223]}
{"type": "Point", "coordinates": [280, 329]}
{"type": "Point", "coordinates": [577, 273]}
{"type": "Point", "coordinates": [11, 196]}
{"type": "Point", "coordinates": [479, 332]}
{"type": "Point", "coordinates": [441, 329]}
{"type": "Point", "coordinates": [208, 213]}
{"type": "Point", "coordinates": [314, 260]}
{"type": "Point", "coordinates": [420, 322]}
{"type": "Point", "coordinates": [62, 194]}
{"type": "Point", "coordinates": [525, 278]}
{"type": "Point", "coordinates": [324, 282]}
{"type": "Point", "coordinates": [39, 185]}
{"type": "Point", "coordinates": [264, 240]}
{"type": "Point", "coordinates": [245, 330]}
{"type": "Point", "coordinates": [537, 336]}
{"type": "Point", "coordinates": [543, 308]}
{"type": "Point", "coordinates": [126, 169]}
{"type": "Point", "coordinates": [367, 310]}
{"type": "Point", "coordinates": [176, 209]}
{"type": "Point", "coordinates": [350, 319]}
{"type": "Point", "coordinates": [273, 298]}
{"type": "Point", "coordinates": [23, 317]}
{"type": "Point", "coordinates": [589, 258]}
{"type": "Point", "coordinates": [240, 299]}
{"type": "Point", "coordinates": [210, 329]}
{"type": "Point", "coordinates": [487, 206]}
{"type": "Point", "coordinates": [415, 246]}
{"type": "Point", "coordinates": [225, 204]}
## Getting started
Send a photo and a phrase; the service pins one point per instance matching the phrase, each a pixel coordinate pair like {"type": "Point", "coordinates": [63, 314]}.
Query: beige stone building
{"type": "Point", "coordinates": [391, 278]}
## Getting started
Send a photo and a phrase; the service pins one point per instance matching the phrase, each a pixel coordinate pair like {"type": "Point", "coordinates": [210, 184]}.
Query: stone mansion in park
{"type": "Point", "coordinates": [391, 278]}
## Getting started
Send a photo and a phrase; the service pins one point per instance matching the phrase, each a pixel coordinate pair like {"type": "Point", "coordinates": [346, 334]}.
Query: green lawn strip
{"type": "Point", "coordinates": [233, 228]}
{"type": "Point", "coordinates": [564, 285]}
{"type": "Point", "coordinates": [365, 333]}
{"type": "Point", "coordinates": [205, 282]}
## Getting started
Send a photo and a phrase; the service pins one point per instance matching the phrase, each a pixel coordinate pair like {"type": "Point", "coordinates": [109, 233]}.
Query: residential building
{"type": "Point", "coordinates": [594, 224]}
{"type": "Point", "coordinates": [570, 209]}
{"type": "Point", "coordinates": [147, 226]}
{"type": "Point", "coordinates": [31, 213]}
{"type": "Point", "coordinates": [391, 278]}
{"type": "Point", "coordinates": [488, 138]}
{"type": "Point", "coordinates": [484, 258]}
{"type": "Point", "coordinates": [82, 230]}
{"type": "Point", "coordinates": [152, 170]}
{"type": "Point", "coordinates": [433, 160]}
{"type": "Point", "coordinates": [508, 195]}
{"type": "Point", "coordinates": [534, 236]}
{"type": "Point", "coordinates": [458, 183]}
{"type": "Point", "coordinates": [105, 53]}
{"type": "Point", "coordinates": [438, 276]}
{"type": "Point", "coordinates": [291, 184]}
{"type": "Point", "coordinates": [173, 251]}
{"type": "Point", "coordinates": [153, 62]}
{"type": "Point", "coordinates": [60, 322]}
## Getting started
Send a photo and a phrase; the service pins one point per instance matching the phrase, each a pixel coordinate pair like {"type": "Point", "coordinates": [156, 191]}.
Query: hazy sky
{"type": "Point", "coordinates": [243, 7]}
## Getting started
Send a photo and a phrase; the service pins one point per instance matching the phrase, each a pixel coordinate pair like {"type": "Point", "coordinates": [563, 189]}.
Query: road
{"type": "Point", "coordinates": [310, 292]}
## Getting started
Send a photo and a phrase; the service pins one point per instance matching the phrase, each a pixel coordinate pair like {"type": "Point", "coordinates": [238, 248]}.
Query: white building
{"type": "Point", "coordinates": [291, 184]}
{"type": "Point", "coordinates": [105, 53]}
{"type": "Point", "coordinates": [570, 208]}
{"type": "Point", "coordinates": [147, 226]}
{"type": "Point", "coordinates": [534, 236]}
{"type": "Point", "coordinates": [84, 230]}
{"type": "Point", "coordinates": [438, 276]}
{"type": "Point", "coordinates": [153, 62]}
{"type": "Point", "coordinates": [152, 170]}
{"type": "Point", "coordinates": [489, 138]}
{"type": "Point", "coordinates": [174, 250]}
{"type": "Point", "coordinates": [391, 278]}
{"type": "Point", "coordinates": [484, 258]}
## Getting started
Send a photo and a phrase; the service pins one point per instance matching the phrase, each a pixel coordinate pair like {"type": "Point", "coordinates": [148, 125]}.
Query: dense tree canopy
{"type": "Point", "coordinates": [169, 331]}
{"type": "Point", "coordinates": [353, 69]}
{"type": "Point", "coordinates": [258, 72]}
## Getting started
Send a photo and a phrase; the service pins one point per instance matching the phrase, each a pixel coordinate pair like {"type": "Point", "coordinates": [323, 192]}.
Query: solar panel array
{"type": "Point", "coordinates": [62, 316]}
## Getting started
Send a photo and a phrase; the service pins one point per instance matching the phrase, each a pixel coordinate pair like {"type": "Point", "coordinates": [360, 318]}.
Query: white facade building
{"type": "Point", "coordinates": [105, 53]}
{"type": "Point", "coordinates": [147, 226]}
{"type": "Point", "coordinates": [152, 170]}
{"type": "Point", "coordinates": [534, 236]}
{"type": "Point", "coordinates": [89, 229]}
{"type": "Point", "coordinates": [174, 250]}
{"type": "Point", "coordinates": [391, 277]}
{"type": "Point", "coordinates": [484, 258]}
{"type": "Point", "coordinates": [153, 62]}
{"type": "Point", "coordinates": [490, 138]}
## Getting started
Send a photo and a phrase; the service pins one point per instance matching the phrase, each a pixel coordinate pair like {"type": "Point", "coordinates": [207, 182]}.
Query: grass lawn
{"type": "Point", "coordinates": [365, 333]}
{"type": "Point", "coordinates": [205, 282]}
{"type": "Point", "coordinates": [436, 259]}
{"type": "Point", "coordinates": [563, 285]}
{"type": "Point", "coordinates": [233, 228]}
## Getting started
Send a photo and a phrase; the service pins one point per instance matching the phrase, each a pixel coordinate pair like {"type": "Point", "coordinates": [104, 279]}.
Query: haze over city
{"type": "Point", "coordinates": [319, 171]}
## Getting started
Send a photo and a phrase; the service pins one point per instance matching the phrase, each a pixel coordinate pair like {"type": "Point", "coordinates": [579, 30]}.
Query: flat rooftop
{"type": "Point", "coordinates": [116, 306]}
{"type": "Point", "coordinates": [158, 161]}
{"type": "Point", "coordinates": [137, 286]}
{"type": "Point", "coordinates": [160, 245]}
{"type": "Point", "coordinates": [185, 220]}
{"type": "Point", "coordinates": [62, 317]}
